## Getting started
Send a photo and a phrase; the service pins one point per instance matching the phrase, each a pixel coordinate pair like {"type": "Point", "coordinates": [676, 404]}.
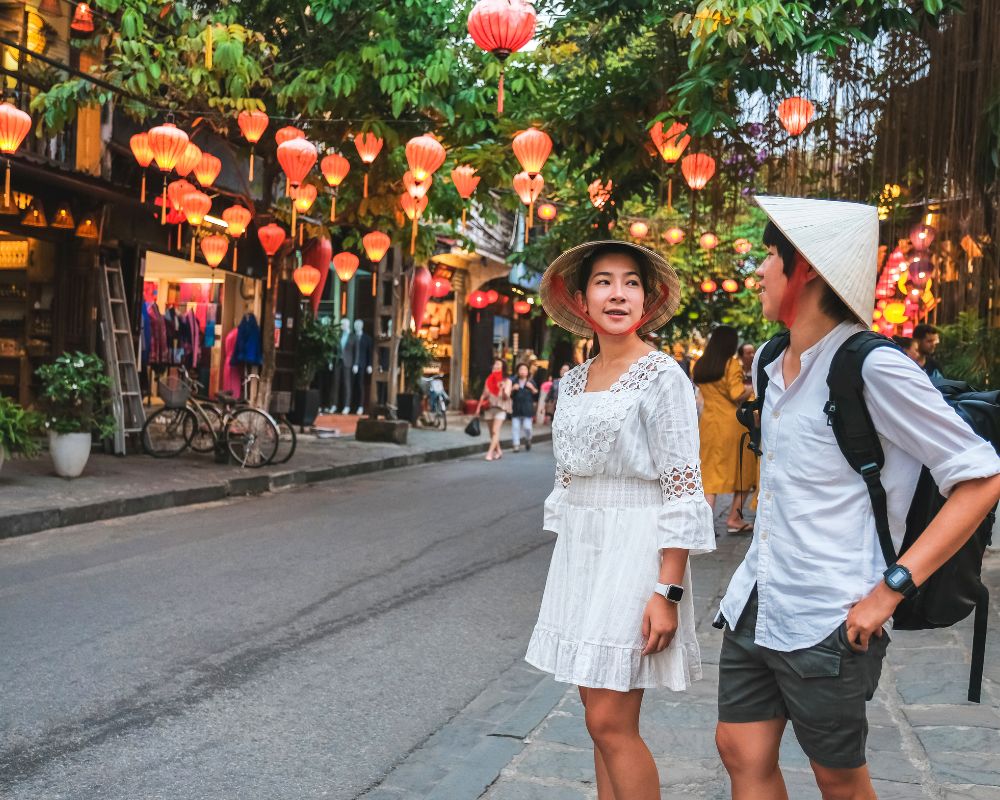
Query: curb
{"type": "Point", "coordinates": [43, 519]}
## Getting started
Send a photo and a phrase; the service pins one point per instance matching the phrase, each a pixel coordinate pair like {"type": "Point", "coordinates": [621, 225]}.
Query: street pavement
{"type": "Point", "coordinates": [294, 645]}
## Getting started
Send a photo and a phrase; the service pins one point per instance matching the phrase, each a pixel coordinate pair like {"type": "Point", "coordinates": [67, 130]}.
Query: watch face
{"type": "Point", "coordinates": [675, 593]}
{"type": "Point", "coordinates": [896, 577]}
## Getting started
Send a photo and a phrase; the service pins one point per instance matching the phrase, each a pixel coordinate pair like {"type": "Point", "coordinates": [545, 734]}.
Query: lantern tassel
{"type": "Point", "coordinates": [333, 207]}
{"type": "Point", "coordinates": [500, 93]}
{"type": "Point", "coordinates": [366, 184]}
{"type": "Point", "coordinates": [531, 220]}
{"type": "Point", "coordinates": [251, 163]}
{"type": "Point", "coordinates": [463, 219]}
{"type": "Point", "coordinates": [193, 237]}
{"type": "Point", "coordinates": [302, 234]}
{"type": "Point", "coordinates": [163, 208]}
{"type": "Point", "coordinates": [142, 195]}
{"type": "Point", "coordinates": [208, 47]}
{"type": "Point", "coordinates": [343, 302]}
{"type": "Point", "coordinates": [236, 250]}
{"type": "Point", "coordinates": [180, 237]}
{"type": "Point", "coordinates": [268, 272]}
{"type": "Point", "coordinates": [375, 283]}
{"type": "Point", "coordinates": [413, 236]}
{"type": "Point", "coordinates": [670, 194]}
{"type": "Point", "coordinates": [6, 185]}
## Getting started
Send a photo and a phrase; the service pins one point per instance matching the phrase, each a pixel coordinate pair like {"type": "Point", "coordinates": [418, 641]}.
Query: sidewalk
{"type": "Point", "coordinates": [33, 498]}
{"type": "Point", "coordinates": [925, 741]}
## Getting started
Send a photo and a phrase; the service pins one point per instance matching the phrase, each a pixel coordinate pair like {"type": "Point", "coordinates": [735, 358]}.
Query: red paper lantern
{"type": "Point", "coordinates": [143, 153]}
{"type": "Point", "coordinates": [922, 236]}
{"type": "Point", "coordinates": [730, 286]}
{"type": "Point", "coordinates": [376, 245]}
{"type": "Point", "coordinates": [532, 148]}
{"type": "Point", "coordinates": [708, 286]}
{"type": "Point", "coordinates": [638, 230]}
{"type": "Point", "coordinates": [297, 157]}
{"type": "Point", "coordinates": [307, 279]}
{"type": "Point", "coordinates": [502, 27]}
{"type": "Point", "coordinates": [368, 145]}
{"type": "Point", "coordinates": [288, 133]}
{"type": "Point", "coordinates": [600, 193]}
{"type": "Point", "coordinates": [795, 113]}
{"type": "Point", "coordinates": [441, 287]}
{"type": "Point", "coordinates": [674, 235]}
{"type": "Point", "coordinates": [415, 188]}
{"type": "Point", "coordinates": [195, 206]}
{"type": "Point", "coordinates": [176, 191]}
{"type": "Point", "coordinates": [697, 169]}
{"type": "Point", "coordinates": [669, 145]}
{"type": "Point", "coordinates": [271, 238]}
{"type": "Point", "coordinates": [465, 180]}
{"type": "Point", "coordinates": [425, 155]}
{"type": "Point", "coordinates": [304, 197]}
{"type": "Point", "coordinates": [207, 169]}
{"type": "Point", "coordinates": [547, 212]}
{"type": "Point", "coordinates": [420, 292]}
{"type": "Point", "coordinates": [83, 19]}
{"type": "Point", "coordinates": [237, 218]}
{"type": "Point", "coordinates": [334, 168]}
{"type": "Point", "coordinates": [345, 265]}
{"type": "Point", "coordinates": [188, 160]}
{"type": "Point", "coordinates": [709, 240]}
{"type": "Point", "coordinates": [522, 307]}
{"type": "Point", "coordinates": [252, 125]}
{"type": "Point", "coordinates": [492, 296]}
{"type": "Point", "coordinates": [478, 300]}
{"type": "Point", "coordinates": [318, 254]}
{"type": "Point", "coordinates": [750, 282]}
{"type": "Point", "coordinates": [742, 246]}
{"type": "Point", "coordinates": [214, 248]}
{"type": "Point", "coordinates": [172, 217]}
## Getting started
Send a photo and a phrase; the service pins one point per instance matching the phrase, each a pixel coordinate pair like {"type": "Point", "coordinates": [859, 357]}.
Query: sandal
{"type": "Point", "coordinates": [744, 528]}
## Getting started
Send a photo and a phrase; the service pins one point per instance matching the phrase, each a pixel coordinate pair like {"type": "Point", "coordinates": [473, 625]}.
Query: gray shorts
{"type": "Point", "coordinates": [822, 689]}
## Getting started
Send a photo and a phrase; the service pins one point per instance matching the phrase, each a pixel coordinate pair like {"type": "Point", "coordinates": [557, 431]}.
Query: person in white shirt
{"type": "Point", "coordinates": [805, 612]}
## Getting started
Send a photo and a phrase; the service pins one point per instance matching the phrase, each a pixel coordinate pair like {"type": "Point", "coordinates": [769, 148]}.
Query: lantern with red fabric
{"type": "Point", "coordinates": [708, 286]}
{"type": "Point", "coordinates": [214, 249]}
{"type": "Point", "coordinates": [922, 236]}
{"type": "Point", "coordinates": [195, 206]}
{"type": "Point", "coordinates": [522, 307]}
{"type": "Point", "coordinates": [345, 265]}
{"type": "Point", "coordinates": [697, 168]}
{"type": "Point", "coordinates": [83, 19]}
{"type": "Point", "coordinates": [532, 148]}
{"type": "Point", "coordinates": [416, 189]}
{"type": "Point", "coordinates": [174, 217]}
{"type": "Point", "coordinates": [297, 157]}
{"type": "Point", "coordinates": [466, 181]}
{"type": "Point", "coordinates": [271, 238]}
{"type": "Point", "coordinates": [307, 278]}
{"type": "Point", "coordinates": [237, 218]}
{"type": "Point", "coordinates": [303, 198]}
{"type": "Point", "coordinates": [188, 160]}
{"type": "Point", "coordinates": [420, 292]}
{"type": "Point", "coordinates": [528, 188]}
{"type": "Point", "coordinates": [547, 212]}
{"type": "Point", "coordinates": [708, 240]}
{"type": "Point", "coordinates": [376, 245]}
{"type": "Point", "coordinates": [207, 169]}
{"type": "Point", "coordinates": [599, 192]}
{"type": "Point", "coordinates": [492, 296]}
{"type": "Point", "coordinates": [175, 197]}
{"type": "Point", "coordinates": [674, 235]}
{"type": "Point", "coordinates": [730, 286]}
{"type": "Point", "coordinates": [318, 254]}
{"type": "Point", "coordinates": [502, 27]}
{"type": "Point", "coordinates": [669, 145]}
{"type": "Point", "coordinates": [478, 300]}
{"type": "Point", "coordinates": [252, 126]}
{"type": "Point", "coordinates": [143, 153]}
{"type": "Point", "coordinates": [168, 143]}
{"type": "Point", "coordinates": [334, 168]}
{"type": "Point", "coordinates": [795, 114]}
{"type": "Point", "coordinates": [441, 287]}
{"type": "Point", "coordinates": [288, 133]}
{"type": "Point", "coordinates": [742, 246]}
{"type": "Point", "coordinates": [369, 146]}
{"type": "Point", "coordinates": [638, 230]}
{"type": "Point", "coordinates": [425, 155]}
{"type": "Point", "coordinates": [750, 282]}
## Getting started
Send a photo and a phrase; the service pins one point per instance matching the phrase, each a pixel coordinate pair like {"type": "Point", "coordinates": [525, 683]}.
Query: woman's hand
{"type": "Point", "coordinates": [659, 624]}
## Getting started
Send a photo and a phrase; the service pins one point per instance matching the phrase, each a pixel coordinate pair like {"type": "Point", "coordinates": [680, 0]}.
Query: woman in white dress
{"type": "Point", "coordinates": [617, 616]}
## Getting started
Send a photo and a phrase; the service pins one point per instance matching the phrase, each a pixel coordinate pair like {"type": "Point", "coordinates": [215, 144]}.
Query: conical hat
{"type": "Point", "coordinates": [840, 241]}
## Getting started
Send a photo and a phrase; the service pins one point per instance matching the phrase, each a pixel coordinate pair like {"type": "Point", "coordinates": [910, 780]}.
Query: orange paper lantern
{"type": "Point", "coordinates": [412, 206]}
{"type": "Point", "coordinates": [600, 193]}
{"type": "Point", "coordinates": [708, 286]}
{"type": "Point", "coordinates": [176, 191]}
{"type": "Point", "coordinates": [502, 27]}
{"type": "Point", "coordinates": [345, 265]}
{"type": "Point", "coordinates": [237, 218]}
{"type": "Point", "coordinates": [674, 235]}
{"type": "Point", "coordinates": [730, 286]}
{"type": "Point", "coordinates": [669, 145]}
{"type": "Point", "coordinates": [708, 240]}
{"type": "Point", "coordinates": [288, 133]}
{"type": "Point", "coordinates": [425, 155]}
{"type": "Point", "coordinates": [528, 188]}
{"type": "Point", "coordinates": [271, 238]}
{"type": "Point", "coordinates": [368, 146]}
{"type": "Point", "coordinates": [465, 180]}
{"type": "Point", "coordinates": [522, 307]}
{"type": "Point", "coordinates": [304, 197]}
{"type": "Point", "coordinates": [143, 153]}
{"type": "Point", "coordinates": [195, 206]}
{"type": "Point", "coordinates": [214, 249]}
{"type": "Point", "coordinates": [252, 125]}
{"type": "Point", "coordinates": [532, 148]}
{"type": "Point", "coordinates": [307, 279]}
{"type": "Point", "coordinates": [168, 143]}
{"type": "Point", "coordinates": [547, 212]}
{"type": "Point", "coordinates": [83, 19]}
{"type": "Point", "coordinates": [297, 157]}
{"type": "Point", "coordinates": [334, 168]}
{"type": "Point", "coordinates": [188, 160]}
{"type": "Point", "coordinates": [697, 168]}
{"type": "Point", "coordinates": [742, 246]}
{"type": "Point", "coordinates": [415, 188]}
{"type": "Point", "coordinates": [638, 230]}
{"type": "Point", "coordinates": [376, 245]}
{"type": "Point", "coordinates": [795, 114]}
{"type": "Point", "coordinates": [207, 169]}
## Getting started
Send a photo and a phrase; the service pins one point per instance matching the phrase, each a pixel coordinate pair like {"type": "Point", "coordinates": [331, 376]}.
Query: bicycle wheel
{"type": "Point", "coordinates": [286, 441]}
{"type": "Point", "coordinates": [205, 432]}
{"type": "Point", "coordinates": [167, 433]}
{"type": "Point", "coordinates": [252, 437]}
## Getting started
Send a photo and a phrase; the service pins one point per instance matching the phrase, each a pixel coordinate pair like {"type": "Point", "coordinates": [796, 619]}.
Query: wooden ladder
{"type": "Point", "coordinates": [120, 356]}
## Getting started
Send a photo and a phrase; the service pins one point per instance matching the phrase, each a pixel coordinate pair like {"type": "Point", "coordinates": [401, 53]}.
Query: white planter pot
{"type": "Point", "coordinates": [70, 452]}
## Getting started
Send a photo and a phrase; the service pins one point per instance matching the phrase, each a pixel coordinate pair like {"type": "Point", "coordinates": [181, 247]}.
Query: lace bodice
{"type": "Point", "coordinates": [644, 426]}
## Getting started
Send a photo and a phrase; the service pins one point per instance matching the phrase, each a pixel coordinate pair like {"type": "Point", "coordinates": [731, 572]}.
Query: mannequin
{"type": "Point", "coordinates": [360, 345]}
{"type": "Point", "coordinates": [343, 371]}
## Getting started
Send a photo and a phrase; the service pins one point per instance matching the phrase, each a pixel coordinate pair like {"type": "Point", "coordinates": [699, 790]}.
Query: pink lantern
{"type": "Point", "coordinates": [420, 292]}
{"type": "Point", "coordinates": [922, 236]}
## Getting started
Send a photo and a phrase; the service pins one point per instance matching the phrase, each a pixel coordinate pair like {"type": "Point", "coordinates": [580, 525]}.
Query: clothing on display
{"type": "Point", "coordinates": [249, 347]}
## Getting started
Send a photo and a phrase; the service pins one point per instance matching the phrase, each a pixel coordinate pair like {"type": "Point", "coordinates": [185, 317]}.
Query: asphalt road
{"type": "Point", "coordinates": [294, 646]}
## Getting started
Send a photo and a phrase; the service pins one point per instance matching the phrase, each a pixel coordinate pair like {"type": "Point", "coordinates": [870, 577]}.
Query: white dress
{"type": "Point", "coordinates": [628, 483]}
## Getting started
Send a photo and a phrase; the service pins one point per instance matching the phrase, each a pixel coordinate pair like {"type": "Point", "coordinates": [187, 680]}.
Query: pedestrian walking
{"type": "Point", "coordinates": [496, 399]}
{"type": "Point", "coordinates": [552, 399]}
{"type": "Point", "coordinates": [718, 374]}
{"type": "Point", "coordinates": [544, 383]}
{"type": "Point", "coordinates": [926, 339]}
{"type": "Point", "coordinates": [524, 396]}
{"type": "Point", "coordinates": [617, 617]}
{"type": "Point", "coordinates": [805, 612]}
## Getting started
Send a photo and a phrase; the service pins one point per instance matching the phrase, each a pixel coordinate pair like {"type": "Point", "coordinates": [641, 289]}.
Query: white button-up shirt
{"type": "Point", "coordinates": [815, 551]}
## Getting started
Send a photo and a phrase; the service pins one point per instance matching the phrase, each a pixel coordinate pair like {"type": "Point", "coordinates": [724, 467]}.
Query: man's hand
{"type": "Point", "coordinates": [866, 618]}
{"type": "Point", "coordinates": [659, 624]}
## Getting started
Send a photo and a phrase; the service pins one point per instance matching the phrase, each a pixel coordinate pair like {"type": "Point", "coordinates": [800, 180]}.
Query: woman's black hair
{"type": "Point", "coordinates": [541, 375]}
{"type": "Point", "coordinates": [586, 267]}
{"type": "Point", "coordinates": [718, 353]}
{"type": "Point", "coordinates": [829, 301]}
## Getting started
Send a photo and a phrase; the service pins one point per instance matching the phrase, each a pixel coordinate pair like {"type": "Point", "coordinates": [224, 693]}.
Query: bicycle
{"type": "Point", "coordinates": [434, 413]}
{"type": "Point", "coordinates": [250, 436]}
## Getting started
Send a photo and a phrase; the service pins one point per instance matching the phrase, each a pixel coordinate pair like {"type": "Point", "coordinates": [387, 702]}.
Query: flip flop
{"type": "Point", "coordinates": [747, 526]}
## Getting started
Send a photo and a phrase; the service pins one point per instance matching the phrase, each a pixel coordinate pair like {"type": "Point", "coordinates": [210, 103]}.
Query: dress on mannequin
{"type": "Point", "coordinates": [361, 346]}
{"type": "Point", "coordinates": [343, 369]}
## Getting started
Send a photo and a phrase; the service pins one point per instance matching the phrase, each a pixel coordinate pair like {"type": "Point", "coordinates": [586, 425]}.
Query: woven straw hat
{"type": "Point", "coordinates": [559, 286]}
{"type": "Point", "coordinates": [839, 240]}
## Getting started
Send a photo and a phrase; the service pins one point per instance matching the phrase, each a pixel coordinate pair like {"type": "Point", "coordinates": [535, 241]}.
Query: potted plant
{"type": "Point", "coordinates": [18, 430]}
{"type": "Point", "coordinates": [317, 345]}
{"type": "Point", "coordinates": [75, 397]}
{"type": "Point", "coordinates": [414, 355]}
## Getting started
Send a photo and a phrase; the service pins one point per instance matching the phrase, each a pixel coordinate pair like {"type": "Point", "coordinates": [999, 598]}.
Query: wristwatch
{"type": "Point", "coordinates": [899, 579]}
{"type": "Point", "coordinates": [671, 591]}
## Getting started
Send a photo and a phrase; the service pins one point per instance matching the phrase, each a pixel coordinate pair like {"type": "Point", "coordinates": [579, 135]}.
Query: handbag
{"type": "Point", "coordinates": [473, 428]}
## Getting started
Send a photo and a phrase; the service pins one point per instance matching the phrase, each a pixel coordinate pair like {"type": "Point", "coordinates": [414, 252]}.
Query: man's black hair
{"type": "Point", "coordinates": [923, 330]}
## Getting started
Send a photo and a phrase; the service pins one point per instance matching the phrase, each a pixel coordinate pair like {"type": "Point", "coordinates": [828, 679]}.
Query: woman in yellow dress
{"type": "Point", "coordinates": [719, 377]}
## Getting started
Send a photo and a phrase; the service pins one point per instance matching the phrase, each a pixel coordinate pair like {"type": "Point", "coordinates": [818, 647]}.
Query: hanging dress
{"type": "Point", "coordinates": [628, 483]}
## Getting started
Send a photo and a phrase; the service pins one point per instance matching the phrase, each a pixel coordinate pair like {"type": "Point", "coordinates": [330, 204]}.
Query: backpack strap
{"type": "Point", "coordinates": [749, 413]}
{"type": "Point", "coordinates": [854, 429]}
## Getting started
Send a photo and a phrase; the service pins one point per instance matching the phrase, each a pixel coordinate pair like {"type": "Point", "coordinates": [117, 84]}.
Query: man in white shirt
{"type": "Point", "coordinates": [804, 637]}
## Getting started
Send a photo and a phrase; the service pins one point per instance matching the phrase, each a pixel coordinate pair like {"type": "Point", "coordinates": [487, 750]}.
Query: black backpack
{"type": "Point", "coordinates": [956, 589]}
